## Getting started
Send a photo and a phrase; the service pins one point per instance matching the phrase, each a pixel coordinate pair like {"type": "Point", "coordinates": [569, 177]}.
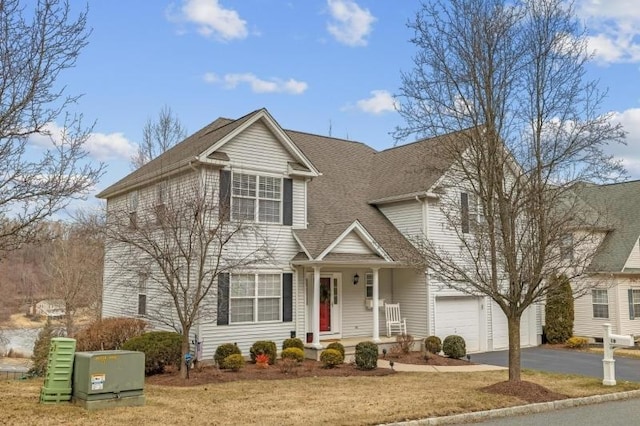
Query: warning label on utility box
{"type": "Point", "coordinates": [97, 381]}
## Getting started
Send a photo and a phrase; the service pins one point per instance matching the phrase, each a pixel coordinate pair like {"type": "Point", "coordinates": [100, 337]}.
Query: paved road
{"type": "Point", "coordinates": [617, 413]}
{"type": "Point", "coordinates": [563, 361]}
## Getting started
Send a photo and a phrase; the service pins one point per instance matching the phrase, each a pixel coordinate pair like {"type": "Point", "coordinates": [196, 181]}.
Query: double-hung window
{"type": "Point", "coordinates": [368, 285]}
{"type": "Point", "coordinates": [600, 301]}
{"type": "Point", "coordinates": [635, 302]}
{"type": "Point", "coordinates": [132, 204]}
{"type": "Point", "coordinates": [256, 198]}
{"type": "Point", "coordinates": [142, 294]}
{"type": "Point", "coordinates": [255, 297]}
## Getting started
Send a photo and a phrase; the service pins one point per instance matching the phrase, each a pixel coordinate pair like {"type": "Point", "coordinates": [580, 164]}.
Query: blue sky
{"type": "Point", "coordinates": [316, 65]}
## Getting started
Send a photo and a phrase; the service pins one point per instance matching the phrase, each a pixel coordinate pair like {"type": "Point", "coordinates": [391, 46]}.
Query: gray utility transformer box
{"type": "Point", "coordinates": [103, 379]}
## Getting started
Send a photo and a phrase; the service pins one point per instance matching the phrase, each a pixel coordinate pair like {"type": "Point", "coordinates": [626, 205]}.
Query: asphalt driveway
{"type": "Point", "coordinates": [564, 361]}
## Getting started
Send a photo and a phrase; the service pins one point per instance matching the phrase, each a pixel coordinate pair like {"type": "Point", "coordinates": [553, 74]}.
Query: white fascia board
{"type": "Point", "coordinates": [362, 233]}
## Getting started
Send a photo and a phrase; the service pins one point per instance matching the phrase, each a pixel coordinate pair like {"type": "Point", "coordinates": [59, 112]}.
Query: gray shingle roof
{"type": "Point", "coordinates": [620, 204]}
{"type": "Point", "coordinates": [340, 196]}
{"type": "Point", "coordinates": [179, 155]}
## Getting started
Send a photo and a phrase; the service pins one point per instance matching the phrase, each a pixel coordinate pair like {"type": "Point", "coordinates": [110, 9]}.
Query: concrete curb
{"type": "Point", "coordinates": [519, 410]}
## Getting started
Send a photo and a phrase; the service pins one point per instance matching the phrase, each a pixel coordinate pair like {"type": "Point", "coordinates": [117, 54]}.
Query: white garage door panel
{"type": "Point", "coordinates": [461, 316]}
{"type": "Point", "coordinates": [501, 331]}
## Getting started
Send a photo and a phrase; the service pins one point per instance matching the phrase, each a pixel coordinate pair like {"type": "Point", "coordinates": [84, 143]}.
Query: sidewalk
{"type": "Point", "coordinates": [382, 363]}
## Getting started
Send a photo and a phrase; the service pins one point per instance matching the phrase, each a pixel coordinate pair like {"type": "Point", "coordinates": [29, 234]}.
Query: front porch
{"type": "Point", "coordinates": [312, 352]}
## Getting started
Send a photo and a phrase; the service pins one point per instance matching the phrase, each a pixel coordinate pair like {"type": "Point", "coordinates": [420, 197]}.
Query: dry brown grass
{"type": "Point", "coordinates": [321, 400]}
{"type": "Point", "coordinates": [628, 353]}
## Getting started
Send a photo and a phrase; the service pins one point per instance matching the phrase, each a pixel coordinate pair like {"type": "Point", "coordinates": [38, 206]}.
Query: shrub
{"type": "Point", "coordinates": [161, 348]}
{"type": "Point", "coordinates": [109, 333]}
{"type": "Point", "coordinates": [559, 311]}
{"type": "Point", "coordinates": [233, 362]}
{"type": "Point", "coordinates": [224, 351]}
{"type": "Point", "coordinates": [576, 342]}
{"type": "Point", "coordinates": [454, 346]}
{"type": "Point", "coordinates": [266, 347]}
{"type": "Point", "coordinates": [294, 342]}
{"type": "Point", "coordinates": [366, 355]}
{"type": "Point", "coordinates": [433, 344]}
{"type": "Point", "coordinates": [404, 343]}
{"type": "Point", "coordinates": [40, 355]}
{"type": "Point", "coordinates": [296, 354]}
{"type": "Point", "coordinates": [288, 365]}
{"type": "Point", "coordinates": [338, 347]}
{"type": "Point", "coordinates": [330, 358]}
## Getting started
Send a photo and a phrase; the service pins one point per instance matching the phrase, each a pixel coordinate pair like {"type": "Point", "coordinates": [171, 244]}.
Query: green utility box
{"type": "Point", "coordinates": [103, 379]}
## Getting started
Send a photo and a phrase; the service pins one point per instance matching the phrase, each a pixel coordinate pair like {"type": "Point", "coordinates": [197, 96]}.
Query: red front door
{"type": "Point", "coordinates": [325, 304]}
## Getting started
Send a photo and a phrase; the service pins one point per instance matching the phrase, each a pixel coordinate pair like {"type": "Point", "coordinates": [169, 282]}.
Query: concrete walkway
{"type": "Point", "coordinates": [418, 368]}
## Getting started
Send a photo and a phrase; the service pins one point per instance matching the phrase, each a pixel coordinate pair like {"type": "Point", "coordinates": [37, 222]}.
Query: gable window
{"type": "Point", "coordinates": [142, 294]}
{"type": "Point", "coordinates": [368, 285]}
{"type": "Point", "coordinates": [464, 212]}
{"type": "Point", "coordinates": [255, 298]}
{"type": "Point", "coordinates": [161, 202]}
{"type": "Point", "coordinates": [600, 301]}
{"type": "Point", "coordinates": [256, 198]}
{"type": "Point", "coordinates": [132, 206]}
{"type": "Point", "coordinates": [566, 247]}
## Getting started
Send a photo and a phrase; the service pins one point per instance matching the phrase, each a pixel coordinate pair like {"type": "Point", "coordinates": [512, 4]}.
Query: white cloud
{"type": "Point", "coordinates": [614, 28]}
{"type": "Point", "coordinates": [211, 19]}
{"type": "Point", "coordinates": [380, 101]}
{"type": "Point", "coordinates": [629, 153]}
{"type": "Point", "coordinates": [103, 146]}
{"type": "Point", "coordinates": [351, 24]}
{"type": "Point", "coordinates": [258, 85]}
{"type": "Point", "coordinates": [100, 146]}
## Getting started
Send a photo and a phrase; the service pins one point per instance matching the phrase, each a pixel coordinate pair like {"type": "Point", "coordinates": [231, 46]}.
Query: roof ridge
{"type": "Point", "coordinates": [426, 139]}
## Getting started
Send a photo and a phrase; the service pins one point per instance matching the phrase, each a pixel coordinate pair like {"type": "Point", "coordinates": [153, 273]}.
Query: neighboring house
{"type": "Point", "coordinates": [342, 215]}
{"type": "Point", "coordinates": [615, 268]}
{"type": "Point", "coordinates": [51, 308]}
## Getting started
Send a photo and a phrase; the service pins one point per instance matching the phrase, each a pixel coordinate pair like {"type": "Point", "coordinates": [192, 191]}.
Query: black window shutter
{"type": "Point", "coordinates": [223, 299]}
{"type": "Point", "coordinates": [287, 204]}
{"type": "Point", "coordinates": [287, 297]}
{"type": "Point", "coordinates": [464, 204]}
{"type": "Point", "coordinates": [632, 314]}
{"type": "Point", "coordinates": [225, 194]}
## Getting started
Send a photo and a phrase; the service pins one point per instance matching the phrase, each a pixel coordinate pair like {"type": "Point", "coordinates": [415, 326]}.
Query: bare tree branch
{"type": "Point", "coordinates": [513, 75]}
{"type": "Point", "coordinates": [158, 136]}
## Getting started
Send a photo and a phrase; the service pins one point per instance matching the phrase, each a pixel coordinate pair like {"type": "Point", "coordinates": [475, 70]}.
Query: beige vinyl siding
{"type": "Point", "coordinates": [246, 335]}
{"type": "Point", "coordinates": [406, 216]}
{"type": "Point", "coordinates": [586, 325]}
{"type": "Point", "coordinates": [352, 243]}
{"type": "Point", "coordinates": [257, 148]}
{"type": "Point", "coordinates": [627, 325]}
{"type": "Point", "coordinates": [410, 291]}
{"type": "Point", "coordinates": [634, 257]}
{"type": "Point", "coordinates": [357, 320]}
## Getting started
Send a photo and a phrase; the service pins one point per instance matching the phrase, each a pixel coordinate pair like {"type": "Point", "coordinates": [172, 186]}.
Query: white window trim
{"type": "Point", "coordinates": [593, 303]}
{"type": "Point", "coordinates": [257, 198]}
{"type": "Point", "coordinates": [636, 302]}
{"type": "Point", "coordinates": [367, 285]}
{"type": "Point", "coordinates": [256, 297]}
{"type": "Point", "coordinates": [143, 290]}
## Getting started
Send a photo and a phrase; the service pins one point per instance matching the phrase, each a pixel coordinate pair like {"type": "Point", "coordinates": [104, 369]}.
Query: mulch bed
{"type": "Point", "coordinates": [527, 391]}
{"type": "Point", "coordinates": [418, 357]}
{"type": "Point", "coordinates": [203, 375]}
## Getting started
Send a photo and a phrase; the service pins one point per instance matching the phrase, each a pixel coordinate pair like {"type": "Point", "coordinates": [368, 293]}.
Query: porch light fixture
{"type": "Point", "coordinates": [356, 279]}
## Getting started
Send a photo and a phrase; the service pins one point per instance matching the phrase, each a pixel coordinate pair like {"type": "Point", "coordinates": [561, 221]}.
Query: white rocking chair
{"type": "Point", "coordinates": [394, 321]}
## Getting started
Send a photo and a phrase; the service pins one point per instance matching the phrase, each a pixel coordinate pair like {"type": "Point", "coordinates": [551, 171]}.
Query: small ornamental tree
{"type": "Point", "coordinates": [559, 311]}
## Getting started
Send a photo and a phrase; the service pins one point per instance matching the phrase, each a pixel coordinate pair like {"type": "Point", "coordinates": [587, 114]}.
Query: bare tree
{"type": "Point", "coordinates": [158, 136]}
{"type": "Point", "coordinates": [75, 265]}
{"type": "Point", "coordinates": [512, 73]}
{"type": "Point", "coordinates": [176, 251]}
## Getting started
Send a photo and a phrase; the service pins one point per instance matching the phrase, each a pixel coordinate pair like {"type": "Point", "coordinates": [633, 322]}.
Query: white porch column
{"type": "Point", "coordinates": [376, 307]}
{"type": "Point", "coordinates": [315, 309]}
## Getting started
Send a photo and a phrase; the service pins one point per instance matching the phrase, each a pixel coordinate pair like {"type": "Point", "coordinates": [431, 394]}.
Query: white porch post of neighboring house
{"type": "Point", "coordinates": [315, 309]}
{"type": "Point", "coordinates": [376, 307]}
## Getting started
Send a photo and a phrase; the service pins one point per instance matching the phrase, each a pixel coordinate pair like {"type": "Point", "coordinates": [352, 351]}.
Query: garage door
{"type": "Point", "coordinates": [501, 331]}
{"type": "Point", "coordinates": [461, 316]}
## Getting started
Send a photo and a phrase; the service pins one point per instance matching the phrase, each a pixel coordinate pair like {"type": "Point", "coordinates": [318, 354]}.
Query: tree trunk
{"type": "Point", "coordinates": [185, 350]}
{"type": "Point", "coordinates": [514, 348]}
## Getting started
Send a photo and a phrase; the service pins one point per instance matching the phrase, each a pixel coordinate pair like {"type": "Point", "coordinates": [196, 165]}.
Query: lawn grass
{"type": "Point", "coordinates": [320, 400]}
{"type": "Point", "coordinates": [627, 353]}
